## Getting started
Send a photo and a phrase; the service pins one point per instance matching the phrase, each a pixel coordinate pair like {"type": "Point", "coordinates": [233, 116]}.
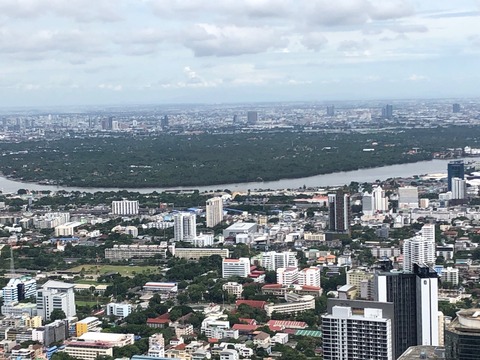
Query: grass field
{"type": "Point", "coordinates": [123, 270]}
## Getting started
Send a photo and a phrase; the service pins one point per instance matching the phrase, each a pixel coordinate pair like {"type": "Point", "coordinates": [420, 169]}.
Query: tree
{"type": "Point", "coordinates": [57, 314]}
{"type": "Point", "coordinates": [61, 355]}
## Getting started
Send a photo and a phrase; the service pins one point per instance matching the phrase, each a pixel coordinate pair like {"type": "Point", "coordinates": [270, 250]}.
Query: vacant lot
{"type": "Point", "coordinates": [122, 270]}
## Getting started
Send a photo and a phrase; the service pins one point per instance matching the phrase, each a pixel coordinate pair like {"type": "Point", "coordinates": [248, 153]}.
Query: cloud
{"type": "Point", "coordinates": [391, 9]}
{"type": "Point", "coordinates": [415, 77]}
{"type": "Point", "coordinates": [213, 40]}
{"type": "Point", "coordinates": [113, 87]}
{"type": "Point", "coordinates": [79, 10]}
{"type": "Point", "coordinates": [314, 41]}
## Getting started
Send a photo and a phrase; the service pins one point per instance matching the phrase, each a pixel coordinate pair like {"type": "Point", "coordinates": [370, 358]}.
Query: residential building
{"type": "Point", "coordinates": [339, 211]}
{"type": "Point", "coordinates": [330, 110]}
{"type": "Point", "coordinates": [67, 229]}
{"type": "Point", "coordinates": [295, 304]}
{"type": "Point", "coordinates": [233, 288]}
{"type": "Point", "coordinates": [212, 327]}
{"type": "Point", "coordinates": [380, 201]}
{"type": "Point", "coordinates": [272, 260]}
{"type": "Point", "coordinates": [420, 249]}
{"type": "Point", "coordinates": [309, 276]}
{"type": "Point", "coordinates": [287, 276]}
{"type": "Point", "coordinates": [450, 275]}
{"type": "Point", "coordinates": [368, 207]}
{"type": "Point", "coordinates": [459, 188]}
{"type": "Point", "coordinates": [185, 226]}
{"type": "Point", "coordinates": [235, 267]}
{"type": "Point", "coordinates": [348, 335]}
{"type": "Point", "coordinates": [229, 354]}
{"type": "Point", "coordinates": [214, 211]}
{"type": "Point", "coordinates": [56, 295]}
{"type": "Point", "coordinates": [125, 207]}
{"type": "Point", "coordinates": [252, 117]}
{"type": "Point", "coordinates": [387, 111]}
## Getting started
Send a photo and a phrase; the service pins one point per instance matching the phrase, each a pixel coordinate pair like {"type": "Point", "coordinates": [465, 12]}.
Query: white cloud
{"type": "Point", "coordinates": [415, 77]}
{"type": "Point", "coordinates": [113, 87]}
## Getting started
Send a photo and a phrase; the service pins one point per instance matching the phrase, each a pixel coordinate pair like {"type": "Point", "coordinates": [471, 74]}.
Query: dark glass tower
{"type": "Point", "coordinates": [455, 169]}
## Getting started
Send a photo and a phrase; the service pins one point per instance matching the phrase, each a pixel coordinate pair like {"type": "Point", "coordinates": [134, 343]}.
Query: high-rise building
{"type": "Point", "coordinates": [331, 110]}
{"type": "Point", "coordinates": [339, 211]}
{"type": "Point", "coordinates": [252, 117]}
{"type": "Point", "coordinates": [125, 207]}
{"type": "Point", "coordinates": [309, 277]}
{"type": "Point", "coordinates": [462, 336]}
{"type": "Point", "coordinates": [380, 201]}
{"type": "Point", "coordinates": [235, 267]}
{"type": "Point", "coordinates": [287, 276]}
{"type": "Point", "coordinates": [456, 169]}
{"type": "Point", "coordinates": [272, 260]}
{"type": "Point", "coordinates": [19, 289]}
{"type": "Point", "coordinates": [214, 211]}
{"type": "Point", "coordinates": [408, 197]}
{"type": "Point", "coordinates": [164, 122]}
{"type": "Point", "coordinates": [459, 188]}
{"type": "Point", "coordinates": [415, 298]}
{"type": "Point", "coordinates": [387, 111]}
{"type": "Point", "coordinates": [349, 335]}
{"type": "Point", "coordinates": [185, 226]}
{"type": "Point", "coordinates": [56, 295]}
{"type": "Point", "coordinates": [420, 249]}
{"type": "Point", "coordinates": [456, 108]}
{"type": "Point", "coordinates": [368, 207]}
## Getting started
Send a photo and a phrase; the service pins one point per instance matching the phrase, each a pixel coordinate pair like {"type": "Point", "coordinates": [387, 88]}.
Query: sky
{"type": "Point", "coordinates": [82, 52]}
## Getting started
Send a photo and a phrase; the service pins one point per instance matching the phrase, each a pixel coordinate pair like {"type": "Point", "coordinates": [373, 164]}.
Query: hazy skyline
{"type": "Point", "coordinates": [60, 52]}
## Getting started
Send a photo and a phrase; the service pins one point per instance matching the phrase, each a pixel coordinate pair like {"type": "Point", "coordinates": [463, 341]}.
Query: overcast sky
{"type": "Point", "coordinates": [62, 52]}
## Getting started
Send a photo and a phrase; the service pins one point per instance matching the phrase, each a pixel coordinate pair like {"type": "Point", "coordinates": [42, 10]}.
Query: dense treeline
{"type": "Point", "coordinates": [180, 160]}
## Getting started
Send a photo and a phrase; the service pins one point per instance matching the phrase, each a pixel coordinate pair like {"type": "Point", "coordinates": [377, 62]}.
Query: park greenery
{"type": "Point", "coordinates": [206, 159]}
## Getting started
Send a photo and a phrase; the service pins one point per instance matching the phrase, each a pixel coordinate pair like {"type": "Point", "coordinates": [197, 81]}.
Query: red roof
{"type": "Point", "coordinates": [180, 347]}
{"type": "Point", "coordinates": [212, 340]}
{"type": "Point", "coordinates": [162, 319]}
{"type": "Point", "coordinates": [272, 286]}
{"type": "Point", "coordinates": [308, 287]}
{"type": "Point", "coordinates": [248, 321]}
{"type": "Point", "coordinates": [244, 327]}
{"type": "Point", "coordinates": [286, 324]}
{"type": "Point", "coordinates": [253, 303]}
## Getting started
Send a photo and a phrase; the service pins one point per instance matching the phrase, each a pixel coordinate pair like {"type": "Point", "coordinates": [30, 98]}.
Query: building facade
{"type": "Point", "coordinates": [125, 207]}
{"type": "Point", "coordinates": [214, 211]}
{"type": "Point", "coordinates": [185, 226]}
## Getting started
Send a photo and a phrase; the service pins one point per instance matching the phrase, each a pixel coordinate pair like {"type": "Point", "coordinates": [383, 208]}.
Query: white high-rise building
{"type": "Point", "coordinates": [309, 276]}
{"type": "Point", "coordinates": [55, 295]}
{"type": "Point", "coordinates": [459, 188]}
{"type": "Point", "coordinates": [235, 267]}
{"type": "Point", "coordinates": [355, 336]}
{"type": "Point", "coordinates": [380, 201]}
{"type": "Point", "coordinates": [125, 207]}
{"type": "Point", "coordinates": [185, 226]}
{"type": "Point", "coordinates": [287, 276]}
{"type": "Point", "coordinates": [420, 249]}
{"type": "Point", "coordinates": [214, 211]}
{"type": "Point", "coordinates": [450, 275]}
{"type": "Point", "coordinates": [272, 260]}
{"type": "Point", "coordinates": [427, 315]}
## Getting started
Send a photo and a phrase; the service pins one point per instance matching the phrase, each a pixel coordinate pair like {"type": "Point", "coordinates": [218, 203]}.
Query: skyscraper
{"type": "Point", "coordinates": [368, 207]}
{"type": "Point", "coordinates": [214, 211]}
{"type": "Point", "coordinates": [462, 336]}
{"type": "Point", "coordinates": [185, 226]}
{"type": "Point", "coordinates": [380, 201]}
{"type": "Point", "coordinates": [387, 111]}
{"type": "Point", "coordinates": [420, 249]}
{"type": "Point", "coordinates": [459, 188]}
{"type": "Point", "coordinates": [415, 298]}
{"type": "Point", "coordinates": [252, 117]}
{"type": "Point", "coordinates": [455, 169]}
{"type": "Point", "coordinates": [456, 108]}
{"type": "Point", "coordinates": [339, 211]}
{"type": "Point", "coordinates": [331, 110]}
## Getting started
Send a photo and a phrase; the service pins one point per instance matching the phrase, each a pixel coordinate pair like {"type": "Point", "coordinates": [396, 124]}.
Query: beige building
{"type": "Point", "coordinates": [197, 253]}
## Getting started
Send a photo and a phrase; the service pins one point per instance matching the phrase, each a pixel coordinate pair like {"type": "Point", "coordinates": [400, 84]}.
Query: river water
{"type": "Point", "coordinates": [333, 179]}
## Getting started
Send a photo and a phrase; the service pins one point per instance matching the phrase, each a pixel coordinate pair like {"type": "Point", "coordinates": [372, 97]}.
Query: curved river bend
{"type": "Point", "coordinates": [338, 178]}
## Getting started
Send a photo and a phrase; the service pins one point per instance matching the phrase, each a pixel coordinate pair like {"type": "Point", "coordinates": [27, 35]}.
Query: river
{"type": "Point", "coordinates": [333, 179]}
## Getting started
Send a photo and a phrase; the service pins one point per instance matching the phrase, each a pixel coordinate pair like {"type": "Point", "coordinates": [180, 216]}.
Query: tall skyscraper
{"type": "Point", "coordinates": [363, 336]}
{"type": "Point", "coordinates": [368, 207]}
{"type": "Point", "coordinates": [387, 111]}
{"type": "Point", "coordinates": [252, 117]}
{"type": "Point", "coordinates": [164, 122]}
{"type": "Point", "coordinates": [380, 201]}
{"type": "Point", "coordinates": [415, 299]}
{"type": "Point", "coordinates": [331, 110]}
{"type": "Point", "coordinates": [455, 169]}
{"type": "Point", "coordinates": [420, 249]}
{"type": "Point", "coordinates": [214, 211]}
{"type": "Point", "coordinates": [56, 295]}
{"type": "Point", "coordinates": [456, 108]}
{"type": "Point", "coordinates": [339, 211]}
{"type": "Point", "coordinates": [185, 226]}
